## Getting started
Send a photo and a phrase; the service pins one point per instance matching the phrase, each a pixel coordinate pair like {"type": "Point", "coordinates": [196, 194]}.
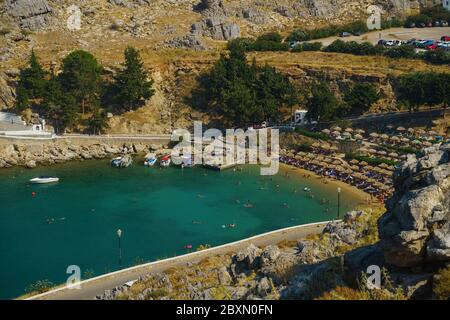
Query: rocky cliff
{"type": "Point", "coordinates": [415, 231]}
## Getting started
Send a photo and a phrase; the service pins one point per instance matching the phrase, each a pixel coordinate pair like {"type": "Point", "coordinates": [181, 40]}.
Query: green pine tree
{"type": "Point", "coordinates": [31, 83]}
{"type": "Point", "coordinates": [132, 83]}
{"type": "Point", "coordinates": [81, 78]}
{"type": "Point", "coordinates": [322, 103]}
{"type": "Point", "coordinates": [98, 122]}
{"type": "Point", "coordinates": [361, 97]}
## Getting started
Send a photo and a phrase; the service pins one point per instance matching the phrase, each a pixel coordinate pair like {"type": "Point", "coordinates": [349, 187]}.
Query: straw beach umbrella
{"type": "Point", "coordinates": [401, 129]}
{"type": "Point", "coordinates": [374, 135]}
{"type": "Point", "coordinates": [347, 134]}
{"type": "Point", "coordinates": [336, 133]}
{"type": "Point", "coordinates": [393, 155]}
{"type": "Point", "coordinates": [326, 131]}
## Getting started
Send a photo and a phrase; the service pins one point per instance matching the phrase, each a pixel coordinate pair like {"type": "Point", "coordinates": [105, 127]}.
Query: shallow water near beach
{"type": "Point", "coordinates": [160, 211]}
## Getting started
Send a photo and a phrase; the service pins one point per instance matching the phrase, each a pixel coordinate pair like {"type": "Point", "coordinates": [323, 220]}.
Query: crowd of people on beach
{"type": "Point", "coordinates": [373, 183]}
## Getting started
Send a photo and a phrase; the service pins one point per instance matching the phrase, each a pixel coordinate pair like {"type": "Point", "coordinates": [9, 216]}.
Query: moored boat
{"type": "Point", "coordinates": [122, 161]}
{"type": "Point", "coordinates": [44, 179]}
{"type": "Point", "coordinates": [165, 161]}
{"type": "Point", "coordinates": [150, 159]}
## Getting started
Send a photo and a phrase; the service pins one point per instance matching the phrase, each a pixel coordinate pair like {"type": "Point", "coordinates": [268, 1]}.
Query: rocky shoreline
{"type": "Point", "coordinates": [34, 154]}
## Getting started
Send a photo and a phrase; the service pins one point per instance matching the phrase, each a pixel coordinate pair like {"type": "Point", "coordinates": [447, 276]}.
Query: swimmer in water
{"type": "Point", "coordinates": [248, 204]}
{"type": "Point", "coordinates": [238, 201]}
{"type": "Point", "coordinates": [286, 205]}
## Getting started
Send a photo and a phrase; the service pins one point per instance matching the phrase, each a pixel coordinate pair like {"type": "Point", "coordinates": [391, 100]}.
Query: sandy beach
{"type": "Point", "coordinates": [322, 182]}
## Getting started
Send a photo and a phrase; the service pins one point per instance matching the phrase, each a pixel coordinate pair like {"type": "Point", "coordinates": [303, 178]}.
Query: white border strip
{"type": "Point", "coordinates": [183, 256]}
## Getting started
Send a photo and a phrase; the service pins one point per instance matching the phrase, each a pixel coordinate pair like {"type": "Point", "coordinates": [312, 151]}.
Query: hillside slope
{"type": "Point", "coordinates": [178, 39]}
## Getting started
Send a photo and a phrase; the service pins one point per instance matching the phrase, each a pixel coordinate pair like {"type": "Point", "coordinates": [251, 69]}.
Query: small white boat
{"type": "Point", "coordinates": [44, 179]}
{"type": "Point", "coordinates": [165, 161]}
{"type": "Point", "coordinates": [150, 160]}
{"type": "Point", "coordinates": [122, 162]}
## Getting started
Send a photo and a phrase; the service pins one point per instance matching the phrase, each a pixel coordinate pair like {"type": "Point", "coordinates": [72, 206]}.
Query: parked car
{"type": "Point", "coordinates": [411, 25]}
{"type": "Point", "coordinates": [436, 24]}
{"type": "Point", "coordinates": [434, 46]}
{"type": "Point", "coordinates": [429, 24]}
{"type": "Point", "coordinates": [358, 33]}
{"type": "Point", "coordinates": [444, 46]}
{"type": "Point", "coordinates": [345, 34]}
{"type": "Point", "coordinates": [425, 43]}
{"type": "Point", "coordinates": [381, 42]}
{"type": "Point", "coordinates": [445, 38]}
{"type": "Point", "coordinates": [421, 25]}
{"type": "Point", "coordinates": [444, 23]}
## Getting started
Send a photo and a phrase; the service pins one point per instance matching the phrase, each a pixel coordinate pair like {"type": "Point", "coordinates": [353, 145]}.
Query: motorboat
{"type": "Point", "coordinates": [44, 179]}
{"type": "Point", "coordinates": [165, 161]}
{"type": "Point", "coordinates": [186, 162]}
{"type": "Point", "coordinates": [150, 159]}
{"type": "Point", "coordinates": [122, 161]}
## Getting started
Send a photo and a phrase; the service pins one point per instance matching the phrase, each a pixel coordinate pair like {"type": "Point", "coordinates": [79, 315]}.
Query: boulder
{"type": "Point", "coordinates": [269, 254]}
{"type": "Point", "coordinates": [223, 276]}
{"type": "Point", "coordinates": [249, 256]}
{"type": "Point", "coordinates": [415, 228]}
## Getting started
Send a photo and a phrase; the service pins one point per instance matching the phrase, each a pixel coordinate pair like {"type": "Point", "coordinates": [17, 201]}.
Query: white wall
{"type": "Point", "coordinates": [7, 117]}
{"type": "Point", "coordinates": [446, 4]}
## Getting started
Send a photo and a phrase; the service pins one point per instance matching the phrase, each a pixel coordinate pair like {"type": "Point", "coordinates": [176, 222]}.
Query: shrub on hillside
{"type": "Point", "coordinates": [328, 31]}
{"type": "Point", "coordinates": [441, 288]}
{"type": "Point", "coordinates": [437, 56]}
{"type": "Point", "coordinates": [403, 51]}
{"type": "Point", "coordinates": [307, 46]}
{"type": "Point", "coordinates": [353, 47]}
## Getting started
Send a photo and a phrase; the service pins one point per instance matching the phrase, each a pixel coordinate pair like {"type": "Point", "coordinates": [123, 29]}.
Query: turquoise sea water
{"type": "Point", "coordinates": [159, 211]}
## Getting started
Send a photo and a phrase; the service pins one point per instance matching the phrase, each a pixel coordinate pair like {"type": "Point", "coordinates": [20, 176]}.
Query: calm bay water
{"type": "Point", "coordinates": [159, 210]}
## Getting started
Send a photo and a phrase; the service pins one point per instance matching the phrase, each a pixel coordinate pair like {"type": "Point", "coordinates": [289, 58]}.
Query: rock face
{"type": "Point", "coordinates": [215, 22]}
{"type": "Point", "coordinates": [33, 154]}
{"type": "Point", "coordinates": [30, 14]}
{"type": "Point", "coordinates": [416, 227]}
{"type": "Point", "coordinates": [189, 41]}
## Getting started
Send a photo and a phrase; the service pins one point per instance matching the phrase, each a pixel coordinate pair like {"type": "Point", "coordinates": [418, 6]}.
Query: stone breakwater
{"type": "Point", "coordinates": [31, 153]}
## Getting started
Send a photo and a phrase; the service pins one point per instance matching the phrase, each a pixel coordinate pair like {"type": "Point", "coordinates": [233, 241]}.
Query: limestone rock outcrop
{"type": "Point", "coordinates": [30, 14]}
{"type": "Point", "coordinates": [416, 227]}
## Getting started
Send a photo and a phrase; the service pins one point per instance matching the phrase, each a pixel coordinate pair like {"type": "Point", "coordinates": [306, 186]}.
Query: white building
{"type": "Point", "coordinates": [446, 4]}
{"type": "Point", "coordinates": [300, 116]}
{"type": "Point", "coordinates": [12, 125]}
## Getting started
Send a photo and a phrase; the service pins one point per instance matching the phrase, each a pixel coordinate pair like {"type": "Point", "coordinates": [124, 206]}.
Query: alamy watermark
{"type": "Point", "coordinates": [373, 277]}
{"type": "Point", "coordinates": [237, 147]}
{"type": "Point", "coordinates": [73, 281]}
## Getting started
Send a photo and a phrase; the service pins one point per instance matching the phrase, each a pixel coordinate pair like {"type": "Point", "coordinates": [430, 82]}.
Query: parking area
{"type": "Point", "coordinates": [403, 34]}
